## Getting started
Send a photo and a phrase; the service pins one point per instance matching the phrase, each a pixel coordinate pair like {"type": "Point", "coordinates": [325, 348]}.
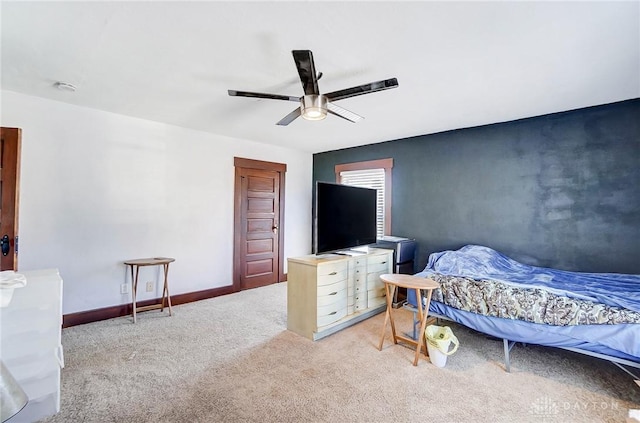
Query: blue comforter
{"type": "Point", "coordinates": [478, 262]}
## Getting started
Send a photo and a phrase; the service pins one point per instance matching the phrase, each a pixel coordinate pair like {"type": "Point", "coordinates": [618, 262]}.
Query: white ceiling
{"type": "Point", "coordinates": [459, 64]}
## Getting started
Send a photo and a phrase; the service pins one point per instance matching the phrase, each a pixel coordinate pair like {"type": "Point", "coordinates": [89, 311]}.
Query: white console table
{"type": "Point", "coordinates": [30, 342]}
{"type": "Point", "coordinates": [331, 292]}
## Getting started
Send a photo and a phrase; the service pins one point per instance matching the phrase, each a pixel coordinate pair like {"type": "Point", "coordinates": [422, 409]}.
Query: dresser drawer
{"type": "Point", "coordinates": [382, 268]}
{"type": "Point", "coordinates": [332, 312]}
{"type": "Point", "coordinates": [377, 302]}
{"type": "Point", "coordinates": [360, 272]}
{"type": "Point", "coordinates": [376, 293]}
{"type": "Point", "coordinates": [329, 289]}
{"type": "Point", "coordinates": [360, 304]}
{"type": "Point", "coordinates": [360, 261]}
{"type": "Point", "coordinates": [332, 268]}
{"type": "Point", "coordinates": [379, 259]}
{"type": "Point", "coordinates": [374, 278]}
{"type": "Point", "coordinates": [361, 279]}
{"type": "Point", "coordinates": [360, 287]}
{"type": "Point", "coordinates": [331, 298]}
{"type": "Point", "coordinates": [332, 277]}
{"type": "Point", "coordinates": [328, 309]}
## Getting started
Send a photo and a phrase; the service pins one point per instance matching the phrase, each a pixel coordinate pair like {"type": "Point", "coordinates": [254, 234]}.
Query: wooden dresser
{"type": "Point", "coordinates": [330, 292]}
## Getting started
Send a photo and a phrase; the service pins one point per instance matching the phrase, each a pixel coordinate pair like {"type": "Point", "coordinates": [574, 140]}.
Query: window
{"type": "Point", "coordinates": [371, 174]}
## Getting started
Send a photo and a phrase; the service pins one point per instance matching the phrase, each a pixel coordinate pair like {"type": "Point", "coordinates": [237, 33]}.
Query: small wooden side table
{"type": "Point", "coordinates": [391, 283]}
{"type": "Point", "coordinates": [155, 261]}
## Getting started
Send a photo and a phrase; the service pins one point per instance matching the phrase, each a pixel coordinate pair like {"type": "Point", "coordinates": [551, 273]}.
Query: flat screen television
{"type": "Point", "coordinates": [345, 217]}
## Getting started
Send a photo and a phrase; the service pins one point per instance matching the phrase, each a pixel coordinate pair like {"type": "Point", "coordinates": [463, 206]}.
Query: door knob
{"type": "Point", "coordinates": [6, 245]}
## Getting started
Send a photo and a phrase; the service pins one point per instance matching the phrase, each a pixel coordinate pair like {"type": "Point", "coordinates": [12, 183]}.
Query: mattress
{"type": "Point", "coordinates": [489, 292]}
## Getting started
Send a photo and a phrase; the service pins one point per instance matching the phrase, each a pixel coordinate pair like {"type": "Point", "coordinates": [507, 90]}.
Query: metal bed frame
{"type": "Point", "coordinates": [508, 345]}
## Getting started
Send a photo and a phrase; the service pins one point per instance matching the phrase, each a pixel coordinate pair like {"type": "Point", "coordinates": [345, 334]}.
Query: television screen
{"type": "Point", "coordinates": [345, 217]}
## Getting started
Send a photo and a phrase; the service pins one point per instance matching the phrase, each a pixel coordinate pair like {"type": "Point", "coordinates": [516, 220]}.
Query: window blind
{"type": "Point", "coordinates": [369, 178]}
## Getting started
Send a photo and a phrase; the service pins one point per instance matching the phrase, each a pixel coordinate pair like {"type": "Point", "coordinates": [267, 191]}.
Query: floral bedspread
{"type": "Point", "coordinates": [483, 263]}
{"type": "Point", "coordinates": [498, 299]}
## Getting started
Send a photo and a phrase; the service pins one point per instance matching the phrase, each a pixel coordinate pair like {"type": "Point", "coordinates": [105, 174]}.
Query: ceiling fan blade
{"type": "Point", "coordinates": [234, 93]}
{"type": "Point", "coordinates": [363, 89]}
{"type": "Point", "coordinates": [290, 117]}
{"type": "Point", "coordinates": [343, 113]}
{"type": "Point", "coordinates": [306, 70]}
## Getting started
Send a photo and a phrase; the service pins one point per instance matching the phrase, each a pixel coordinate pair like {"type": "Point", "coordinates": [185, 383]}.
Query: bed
{"type": "Point", "coordinates": [597, 314]}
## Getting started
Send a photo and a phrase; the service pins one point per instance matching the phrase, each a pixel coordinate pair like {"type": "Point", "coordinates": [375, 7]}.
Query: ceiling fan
{"type": "Point", "coordinates": [313, 105]}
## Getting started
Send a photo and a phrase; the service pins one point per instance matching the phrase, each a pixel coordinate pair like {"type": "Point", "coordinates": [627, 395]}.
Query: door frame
{"type": "Point", "coordinates": [281, 168]}
{"type": "Point", "coordinates": [10, 175]}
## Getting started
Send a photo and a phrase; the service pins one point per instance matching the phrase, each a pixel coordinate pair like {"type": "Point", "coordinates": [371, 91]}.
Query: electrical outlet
{"type": "Point", "coordinates": [124, 288]}
{"type": "Point", "coordinates": [149, 286]}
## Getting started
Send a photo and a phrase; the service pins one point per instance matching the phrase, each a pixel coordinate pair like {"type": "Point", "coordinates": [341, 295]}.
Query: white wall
{"type": "Point", "coordinates": [99, 188]}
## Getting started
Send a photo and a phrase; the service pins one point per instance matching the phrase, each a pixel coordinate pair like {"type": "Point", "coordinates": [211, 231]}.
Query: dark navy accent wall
{"type": "Point", "coordinates": [560, 190]}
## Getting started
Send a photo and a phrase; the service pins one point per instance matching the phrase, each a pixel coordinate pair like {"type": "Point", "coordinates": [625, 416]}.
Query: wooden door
{"type": "Point", "coordinates": [258, 223]}
{"type": "Point", "coordinates": [10, 144]}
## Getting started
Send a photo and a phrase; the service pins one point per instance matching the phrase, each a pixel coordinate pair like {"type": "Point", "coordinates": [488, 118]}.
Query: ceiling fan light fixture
{"type": "Point", "coordinates": [313, 104]}
{"type": "Point", "coordinates": [314, 107]}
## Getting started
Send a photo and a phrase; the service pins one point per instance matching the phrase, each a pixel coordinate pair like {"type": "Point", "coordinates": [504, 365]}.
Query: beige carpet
{"type": "Point", "coordinates": [231, 359]}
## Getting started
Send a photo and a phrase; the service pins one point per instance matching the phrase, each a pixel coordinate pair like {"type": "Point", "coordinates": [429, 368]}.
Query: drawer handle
{"type": "Point", "coordinates": [384, 262]}
{"type": "Point", "coordinates": [333, 273]}
{"type": "Point", "coordinates": [332, 313]}
{"type": "Point", "coordinates": [334, 293]}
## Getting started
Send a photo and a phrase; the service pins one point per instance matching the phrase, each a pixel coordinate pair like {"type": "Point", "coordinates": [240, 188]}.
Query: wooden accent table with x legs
{"type": "Point", "coordinates": [391, 283]}
{"type": "Point", "coordinates": [156, 261]}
